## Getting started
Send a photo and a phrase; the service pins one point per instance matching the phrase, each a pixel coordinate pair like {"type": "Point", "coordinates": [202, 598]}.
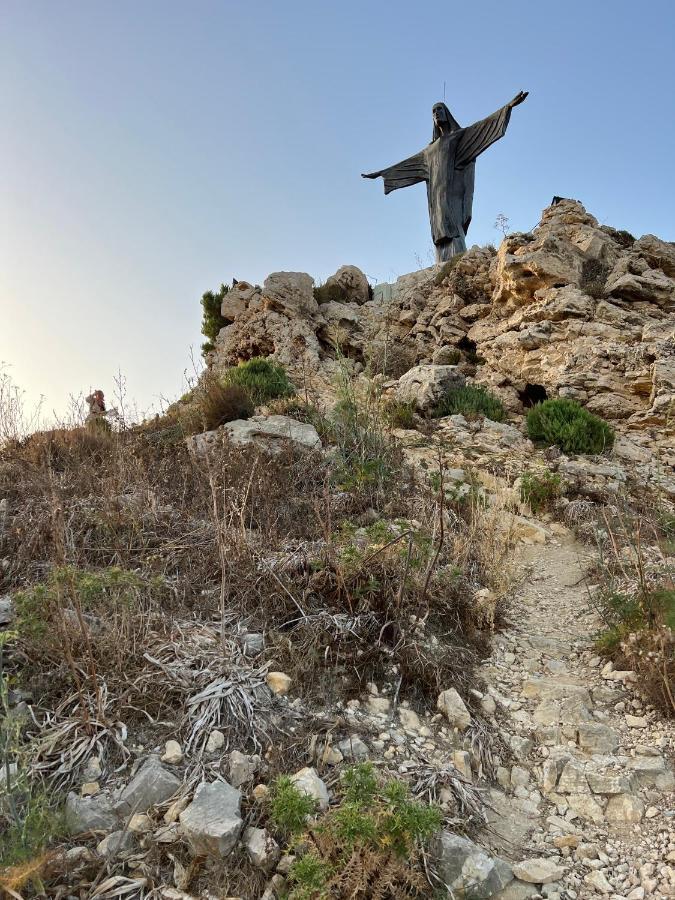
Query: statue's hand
{"type": "Point", "coordinates": [518, 99]}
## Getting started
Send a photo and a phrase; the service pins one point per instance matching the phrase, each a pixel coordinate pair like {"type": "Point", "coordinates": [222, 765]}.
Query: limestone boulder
{"type": "Point", "coordinates": [426, 385]}
{"type": "Point", "coordinates": [466, 869]}
{"type": "Point", "coordinates": [238, 299]}
{"type": "Point", "coordinates": [89, 814]}
{"type": "Point", "coordinates": [290, 293]}
{"type": "Point", "coordinates": [212, 823]}
{"type": "Point", "coordinates": [352, 283]}
{"type": "Point", "coordinates": [262, 849]}
{"type": "Point", "coordinates": [269, 433]}
{"type": "Point", "coordinates": [454, 709]}
{"type": "Point", "coordinates": [539, 870]}
{"type": "Point", "coordinates": [153, 783]}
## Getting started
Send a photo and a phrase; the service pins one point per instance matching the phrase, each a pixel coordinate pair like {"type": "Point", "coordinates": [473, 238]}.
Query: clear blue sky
{"type": "Point", "coordinates": [151, 150]}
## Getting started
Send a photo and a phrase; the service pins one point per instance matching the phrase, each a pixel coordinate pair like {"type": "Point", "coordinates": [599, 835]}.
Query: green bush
{"type": "Point", "coordinates": [569, 426]}
{"type": "Point", "coordinates": [540, 489]}
{"type": "Point", "coordinates": [470, 401]}
{"type": "Point", "coordinates": [289, 807]}
{"type": "Point", "coordinates": [212, 320]}
{"type": "Point", "coordinates": [367, 843]}
{"type": "Point", "coordinates": [263, 379]}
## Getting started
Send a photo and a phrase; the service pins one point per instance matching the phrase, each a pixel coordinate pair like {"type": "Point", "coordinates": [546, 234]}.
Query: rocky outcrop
{"type": "Point", "coordinates": [572, 309]}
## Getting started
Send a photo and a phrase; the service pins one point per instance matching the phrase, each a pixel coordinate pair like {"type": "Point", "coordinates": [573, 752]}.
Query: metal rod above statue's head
{"type": "Point", "coordinates": [447, 165]}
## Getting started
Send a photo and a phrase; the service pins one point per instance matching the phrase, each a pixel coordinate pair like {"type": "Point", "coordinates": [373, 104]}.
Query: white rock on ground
{"type": "Point", "coordinates": [242, 767]}
{"type": "Point", "coordinates": [454, 709]}
{"type": "Point", "coordinates": [262, 849]}
{"type": "Point", "coordinates": [215, 742]}
{"type": "Point", "coordinates": [308, 782]}
{"type": "Point", "coordinates": [173, 753]}
{"type": "Point", "coordinates": [540, 870]}
{"type": "Point", "coordinates": [212, 823]}
{"type": "Point", "coordinates": [114, 843]}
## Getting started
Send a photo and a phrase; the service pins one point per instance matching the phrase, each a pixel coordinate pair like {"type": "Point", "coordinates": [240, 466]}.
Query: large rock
{"type": "Point", "coordinates": [212, 823]}
{"type": "Point", "coordinates": [454, 709]}
{"type": "Point", "coordinates": [352, 283]}
{"type": "Point", "coordinates": [291, 293]}
{"type": "Point", "coordinates": [152, 784]}
{"type": "Point", "coordinates": [89, 814]}
{"type": "Point", "coordinates": [538, 870]}
{"type": "Point", "coordinates": [466, 869]}
{"type": "Point", "coordinates": [269, 433]}
{"type": "Point", "coordinates": [353, 748]}
{"type": "Point", "coordinates": [625, 808]}
{"type": "Point", "coordinates": [426, 385]}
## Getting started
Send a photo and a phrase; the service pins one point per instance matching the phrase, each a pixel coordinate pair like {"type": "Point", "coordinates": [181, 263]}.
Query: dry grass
{"type": "Point", "coordinates": [138, 567]}
{"type": "Point", "coordinates": [636, 599]}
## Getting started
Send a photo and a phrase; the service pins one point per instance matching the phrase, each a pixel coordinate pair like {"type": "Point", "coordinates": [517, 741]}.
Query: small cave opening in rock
{"type": "Point", "coordinates": [470, 350]}
{"type": "Point", "coordinates": [466, 344]}
{"type": "Point", "coordinates": [532, 394]}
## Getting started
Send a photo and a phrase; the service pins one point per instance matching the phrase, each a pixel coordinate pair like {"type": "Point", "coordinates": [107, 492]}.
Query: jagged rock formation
{"type": "Point", "coordinates": [574, 309]}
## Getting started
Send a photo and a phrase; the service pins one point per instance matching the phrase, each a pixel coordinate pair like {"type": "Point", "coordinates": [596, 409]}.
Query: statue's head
{"type": "Point", "coordinates": [444, 121]}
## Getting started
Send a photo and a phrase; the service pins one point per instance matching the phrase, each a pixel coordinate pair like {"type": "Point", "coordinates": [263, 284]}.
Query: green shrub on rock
{"type": "Point", "coordinates": [262, 379]}
{"type": "Point", "coordinates": [212, 320]}
{"type": "Point", "coordinates": [540, 489]}
{"type": "Point", "coordinates": [470, 401]}
{"type": "Point", "coordinates": [569, 426]}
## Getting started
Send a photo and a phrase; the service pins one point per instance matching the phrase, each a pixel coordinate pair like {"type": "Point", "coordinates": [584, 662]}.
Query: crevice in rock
{"type": "Point", "coordinates": [532, 394]}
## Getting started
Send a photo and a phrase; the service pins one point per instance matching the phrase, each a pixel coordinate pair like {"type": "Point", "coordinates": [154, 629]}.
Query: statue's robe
{"type": "Point", "coordinates": [447, 166]}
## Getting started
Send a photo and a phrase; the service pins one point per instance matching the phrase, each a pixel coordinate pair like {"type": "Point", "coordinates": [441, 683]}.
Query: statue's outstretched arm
{"type": "Point", "coordinates": [520, 97]}
{"type": "Point", "coordinates": [476, 138]}
{"type": "Point", "coordinates": [403, 174]}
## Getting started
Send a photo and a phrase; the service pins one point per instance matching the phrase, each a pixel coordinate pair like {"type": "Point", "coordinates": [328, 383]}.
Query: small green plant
{"type": "Point", "coordinates": [212, 320]}
{"type": "Point", "coordinates": [569, 426]}
{"type": "Point", "coordinates": [399, 413]}
{"type": "Point", "coordinates": [28, 819]}
{"type": "Point", "coordinates": [540, 489]}
{"type": "Point", "coordinates": [470, 401]}
{"type": "Point", "coordinates": [289, 807]}
{"type": "Point", "coordinates": [308, 877]}
{"type": "Point", "coordinates": [105, 591]}
{"type": "Point", "coordinates": [367, 846]}
{"type": "Point", "coordinates": [263, 379]}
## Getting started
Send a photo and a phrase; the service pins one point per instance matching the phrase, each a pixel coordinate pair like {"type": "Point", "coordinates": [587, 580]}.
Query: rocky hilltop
{"type": "Point", "coordinates": [345, 621]}
{"type": "Point", "coordinates": [572, 309]}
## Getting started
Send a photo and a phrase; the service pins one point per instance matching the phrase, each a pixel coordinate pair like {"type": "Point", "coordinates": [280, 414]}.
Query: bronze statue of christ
{"type": "Point", "coordinates": [447, 165]}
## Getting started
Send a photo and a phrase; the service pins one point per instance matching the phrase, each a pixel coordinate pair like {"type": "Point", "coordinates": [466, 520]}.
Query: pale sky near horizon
{"type": "Point", "coordinates": [151, 150]}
